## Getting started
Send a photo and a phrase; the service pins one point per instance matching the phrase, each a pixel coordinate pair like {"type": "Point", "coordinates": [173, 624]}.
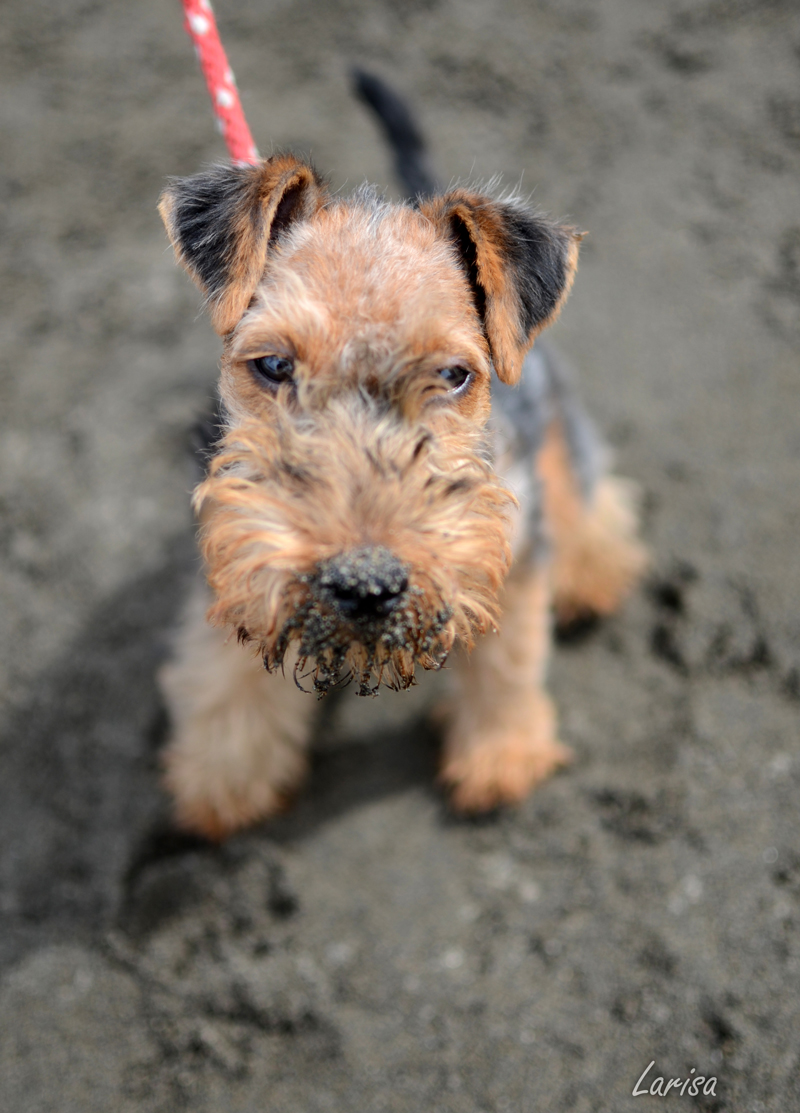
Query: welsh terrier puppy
{"type": "Point", "coordinates": [396, 475]}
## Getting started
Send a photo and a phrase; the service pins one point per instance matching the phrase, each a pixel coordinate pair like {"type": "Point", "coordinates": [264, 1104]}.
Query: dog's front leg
{"type": "Point", "coordinates": [238, 733]}
{"type": "Point", "coordinates": [501, 739]}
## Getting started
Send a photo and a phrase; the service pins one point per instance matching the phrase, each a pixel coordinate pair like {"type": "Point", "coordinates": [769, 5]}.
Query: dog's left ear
{"type": "Point", "coordinates": [520, 267]}
{"type": "Point", "coordinates": [224, 221]}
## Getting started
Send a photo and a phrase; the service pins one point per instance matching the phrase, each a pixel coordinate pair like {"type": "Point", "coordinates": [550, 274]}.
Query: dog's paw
{"type": "Point", "coordinates": [217, 820]}
{"type": "Point", "coordinates": [206, 802]}
{"type": "Point", "coordinates": [501, 767]}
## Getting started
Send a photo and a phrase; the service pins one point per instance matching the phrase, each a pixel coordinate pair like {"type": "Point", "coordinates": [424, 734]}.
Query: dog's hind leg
{"type": "Point", "coordinates": [591, 515]}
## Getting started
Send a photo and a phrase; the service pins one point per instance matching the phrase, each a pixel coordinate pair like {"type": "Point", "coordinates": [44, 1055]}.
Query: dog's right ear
{"type": "Point", "coordinates": [223, 221]}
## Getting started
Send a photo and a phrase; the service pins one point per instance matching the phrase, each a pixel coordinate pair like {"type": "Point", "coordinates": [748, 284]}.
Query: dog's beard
{"type": "Point", "coordinates": [332, 653]}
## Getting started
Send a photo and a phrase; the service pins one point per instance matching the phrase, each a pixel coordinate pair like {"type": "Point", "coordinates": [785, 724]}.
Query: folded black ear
{"type": "Point", "coordinates": [519, 264]}
{"type": "Point", "coordinates": [222, 222]}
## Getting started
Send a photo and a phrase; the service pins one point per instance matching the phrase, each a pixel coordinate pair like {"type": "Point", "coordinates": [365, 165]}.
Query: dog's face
{"type": "Point", "coordinates": [352, 507]}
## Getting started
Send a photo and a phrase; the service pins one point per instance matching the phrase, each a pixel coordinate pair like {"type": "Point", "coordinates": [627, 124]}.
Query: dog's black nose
{"type": "Point", "coordinates": [364, 585]}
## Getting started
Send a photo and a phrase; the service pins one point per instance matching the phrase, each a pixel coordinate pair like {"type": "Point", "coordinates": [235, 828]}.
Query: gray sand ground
{"type": "Point", "coordinates": [367, 951]}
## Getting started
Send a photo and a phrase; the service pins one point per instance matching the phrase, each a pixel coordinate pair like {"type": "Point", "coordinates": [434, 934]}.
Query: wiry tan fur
{"type": "Point", "coordinates": [335, 481]}
{"type": "Point", "coordinates": [368, 450]}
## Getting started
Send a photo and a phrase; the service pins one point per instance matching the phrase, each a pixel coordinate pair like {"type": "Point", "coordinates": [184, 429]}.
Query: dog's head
{"type": "Point", "coordinates": [352, 506]}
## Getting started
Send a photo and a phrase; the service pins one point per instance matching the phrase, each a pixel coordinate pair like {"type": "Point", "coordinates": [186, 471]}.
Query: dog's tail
{"type": "Point", "coordinates": [402, 133]}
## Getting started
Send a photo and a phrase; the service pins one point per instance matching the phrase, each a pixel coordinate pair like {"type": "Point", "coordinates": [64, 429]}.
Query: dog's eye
{"type": "Point", "coordinates": [272, 369]}
{"type": "Point", "coordinates": [456, 378]}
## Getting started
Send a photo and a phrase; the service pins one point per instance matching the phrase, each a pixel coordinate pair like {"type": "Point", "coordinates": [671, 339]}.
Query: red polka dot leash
{"type": "Point", "coordinates": [202, 29]}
